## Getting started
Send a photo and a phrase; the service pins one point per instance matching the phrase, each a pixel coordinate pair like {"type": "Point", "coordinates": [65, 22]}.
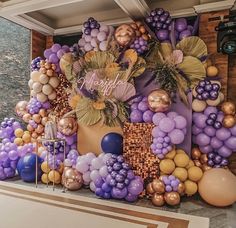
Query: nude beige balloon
{"type": "Point", "coordinates": [218, 187]}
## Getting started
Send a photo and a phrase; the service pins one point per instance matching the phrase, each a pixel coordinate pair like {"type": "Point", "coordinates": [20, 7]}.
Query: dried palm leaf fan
{"type": "Point", "coordinates": [193, 46]}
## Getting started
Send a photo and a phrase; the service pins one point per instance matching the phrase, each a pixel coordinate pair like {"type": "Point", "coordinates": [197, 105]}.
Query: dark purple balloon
{"type": "Point", "coordinates": [163, 18]}
{"type": "Point", "coordinates": [149, 20]}
{"type": "Point", "coordinates": [202, 83]}
{"type": "Point", "coordinates": [210, 122]}
{"type": "Point", "coordinates": [106, 187]}
{"type": "Point", "coordinates": [159, 11]}
{"type": "Point", "coordinates": [213, 95]}
{"type": "Point", "coordinates": [210, 162]}
{"type": "Point", "coordinates": [184, 34]}
{"type": "Point", "coordinates": [199, 97]}
{"type": "Point", "coordinates": [98, 182]}
{"type": "Point", "coordinates": [211, 155]}
{"type": "Point", "coordinates": [153, 13]}
{"type": "Point", "coordinates": [156, 18]}
{"type": "Point", "coordinates": [120, 178]}
{"type": "Point", "coordinates": [181, 24]}
{"type": "Point", "coordinates": [113, 174]}
{"type": "Point", "coordinates": [117, 166]}
{"type": "Point", "coordinates": [217, 159]}
{"type": "Point", "coordinates": [215, 87]}
{"type": "Point", "coordinates": [99, 192]}
{"type": "Point", "coordinates": [112, 183]}
{"type": "Point", "coordinates": [123, 172]}
{"type": "Point", "coordinates": [158, 25]}
{"type": "Point", "coordinates": [224, 162]}
{"type": "Point", "coordinates": [208, 87]}
{"type": "Point", "coordinates": [199, 90]}
{"type": "Point", "coordinates": [162, 34]}
{"type": "Point", "coordinates": [120, 185]}
{"type": "Point", "coordinates": [205, 95]}
{"type": "Point", "coordinates": [217, 125]}
{"type": "Point", "coordinates": [212, 116]}
{"type": "Point", "coordinates": [119, 193]}
{"type": "Point", "coordinates": [154, 24]}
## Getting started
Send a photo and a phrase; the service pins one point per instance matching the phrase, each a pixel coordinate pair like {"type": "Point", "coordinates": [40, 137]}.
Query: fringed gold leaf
{"type": "Point", "coordinates": [73, 101]}
{"type": "Point", "coordinates": [99, 105]}
{"type": "Point", "coordinates": [166, 50]}
{"type": "Point", "coordinates": [130, 56]}
{"type": "Point", "coordinates": [89, 55]}
{"type": "Point", "coordinates": [112, 68]}
{"type": "Point", "coordinates": [193, 69]}
{"type": "Point", "coordinates": [193, 46]}
{"type": "Point", "coordinates": [86, 113]}
{"type": "Point", "coordinates": [138, 68]}
{"type": "Point", "coordinates": [70, 76]}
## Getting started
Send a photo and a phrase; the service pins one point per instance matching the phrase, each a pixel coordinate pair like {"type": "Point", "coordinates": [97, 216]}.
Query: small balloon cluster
{"type": "Point", "coordinates": [159, 21]}
{"type": "Point", "coordinates": [206, 93]}
{"type": "Point", "coordinates": [178, 164]}
{"type": "Point", "coordinates": [22, 137]}
{"type": "Point", "coordinates": [109, 176]}
{"type": "Point", "coordinates": [170, 130]}
{"type": "Point", "coordinates": [140, 111]}
{"type": "Point", "coordinates": [166, 189]}
{"type": "Point", "coordinates": [54, 54]}
{"type": "Point", "coordinates": [8, 126]}
{"type": "Point", "coordinates": [139, 45]}
{"type": "Point", "coordinates": [209, 138]}
{"type": "Point", "coordinates": [208, 161]}
{"type": "Point", "coordinates": [71, 158]}
{"type": "Point", "coordinates": [44, 82]}
{"type": "Point", "coordinates": [182, 29]}
{"type": "Point", "coordinates": [34, 106]}
{"type": "Point", "coordinates": [27, 148]}
{"type": "Point", "coordinates": [35, 64]}
{"type": "Point", "coordinates": [95, 37]}
{"type": "Point", "coordinates": [140, 30]}
{"type": "Point", "coordinates": [8, 159]}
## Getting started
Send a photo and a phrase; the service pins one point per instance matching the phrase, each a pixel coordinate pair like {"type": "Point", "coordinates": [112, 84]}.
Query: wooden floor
{"type": "Point", "coordinates": [26, 206]}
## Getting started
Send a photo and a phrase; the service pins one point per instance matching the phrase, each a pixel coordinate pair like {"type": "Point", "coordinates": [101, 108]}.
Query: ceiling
{"type": "Point", "coordinates": [55, 17]}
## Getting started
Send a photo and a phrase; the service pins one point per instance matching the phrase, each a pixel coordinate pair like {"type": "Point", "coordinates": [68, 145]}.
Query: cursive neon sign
{"type": "Point", "coordinates": [105, 86]}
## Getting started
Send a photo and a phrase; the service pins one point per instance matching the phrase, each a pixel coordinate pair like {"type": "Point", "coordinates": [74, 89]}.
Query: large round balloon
{"type": "Point", "coordinates": [67, 126]}
{"type": "Point", "coordinates": [217, 187]}
{"type": "Point", "coordinates": [26, 167]}
{"type": "Point", "coordinates": [112, 143]}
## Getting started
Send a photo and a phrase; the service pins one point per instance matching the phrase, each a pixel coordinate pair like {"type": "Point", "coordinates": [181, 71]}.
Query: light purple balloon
{"type": "Point", "coordinates": [180, 122]}
{"type": "Point", "coordinates": [147, 116]}
{"type": "Point", "coordinates": [143, 106]}
{"type": "Point", "coordinates": [55, 48]}
{"type": "Point", "coordinates": [176, 136]}
{"type": "Point", "coordinates": [157, 117]}
{"type": "Point", "coordinates": [210, 131]}
{"type": "Point", "coordinates": [60, 53]}
{"type": "Point", "coordinates": [135, 187]}
{"type": "Point", "coordinates": [220, 116]}
{"type": "Point", "coordinates": [202, 139]}
{"type": "Point", "coordinates": [196, 130]}
{"type": "Point", "coordinates": [94, 175]}
{"type": "Point", "coordinates": [223, 134]}
{"type": "Point", "coordinates": [216, 143]}
{"type": "Point", "coordinates": [206, 149]}
{"type": "Point", "coordinates": [231, 143]}
{"type": "Point", "coordinates": [47, 53]}
{"type": "Point", "coordinates": [103, 171]}
{"type": "Point", "coordinates": [53, 58]}
{"type": "Point", "coordinates": [156, 132]}
{"type": "Point", "coordinates": [200, 122]}
{"type": "Point", "coordinates": [13, 155]}
{"type": "Point", "coordinates": [172, 115]}
{"type": "Point", "coordinates": [82, 167]}
{"type": "Point", "coordinates": [136, 116]}
{"type": "Point", "coordinates": [134, 106]}
{"type": "Point", "coordinates": [166, 124]}
{"type": "Point", "coordinates": [233, 130]}
{"type": "Point", "coordinates": [210, 110]}
{"type": "Point", "coordinates": [3, 156]}
{"type": "Point", "coordinates": [224, 151]}
{"type": "Point", "coordinates": [92, 186]}
{"type": "Point", "coordinates": [65, 48]}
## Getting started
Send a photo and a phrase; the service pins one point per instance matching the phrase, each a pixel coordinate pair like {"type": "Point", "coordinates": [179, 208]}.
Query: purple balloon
{"type": "Point", "coordinates": [157, 117]}
{"type": "Point", "coordinates": [135, 187]}
{"type": "Point", "coordinates": [136, 116]}
{"type": "Point", "coordinates": [184, 34]}
{"type": "Point", "coordinates": [233, 130]}
{"type": "Point", "coordinates": [206, 149]}
{"type": "Point", "coordinates": [147, 116]}
{"type": "Point", "coordinates": [224, 151]}
{"type": "Point", "coordinates": [216, 143]}
{"type": "Point", "coordinates": [181, 24]}
{"type": "Point", "coordinates": [134, 106]}
{"type": "Point", "coordinates": [162, 34]}
{"type": "Point", "coordinates": [223, 134]}
{"type": "Point", "coordinates": [60, 53]}
{"type": "Point", "coordinates": [53, 58]}
{"type": "Point", "coordinates": [210, 131]}
{"type": "Point", "coordinates": [13, 155]}
{"type": "Point", "coordinates": [210, 110]}
{"type": "Point", "coordinates": [180, 122]}
{"type": "Point", "coordinates": [143, 106]}
{"type": "Point", "coordinates": [131, 198]}
{"type": "Point", "coordinates": [3, 156]}
{"type": "Point", "coordinates": [47, 53]}
{"type": "Point", "coordinates": [119, 193]}
{"type": "Point", "coordinates": [167, 124]}
{"type": "Point", "coordinates": [55, 48]}
{"type": "Point", "coordinates": [200, 121]}
{"type": "Point", "coordinates": [156, 132]}
{"type": "Point", "coordinates": [202, 139]}
{"type": "Point", "coordinates": [231, 143]}
{"type": "Point", "coordinates": [172, 115]}
{"type": "Point", "coordinates": [176, 136]}
{"type": "Point", "coordinates": [196, 130]}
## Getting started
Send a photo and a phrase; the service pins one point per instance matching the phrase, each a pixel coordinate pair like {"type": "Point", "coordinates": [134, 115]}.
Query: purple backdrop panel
{"type": "Point", "coordinates": [179, 106]}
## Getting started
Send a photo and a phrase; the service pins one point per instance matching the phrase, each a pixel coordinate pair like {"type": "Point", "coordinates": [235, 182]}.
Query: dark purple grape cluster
{"type": "Point", "coordinates": [90, 24]}
{"type": "Point", "coordinates": [158, 19]}
{"type": "Point", "coordinates": [212, 121]}
{"type": "Point", "coordinates": [35, 64]}
{"type": "Point", "coordinates": [59, 147]}
{"type": "Point", "coordinates": [140, 45]}
{"type": "Point", "coordinates": [216, 161]}
{"type": "Point", "coordinates": [207, 90]}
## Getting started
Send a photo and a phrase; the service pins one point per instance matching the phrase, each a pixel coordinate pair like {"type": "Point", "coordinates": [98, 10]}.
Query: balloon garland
{"type": "Point", "coordinates": [95, 82]}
